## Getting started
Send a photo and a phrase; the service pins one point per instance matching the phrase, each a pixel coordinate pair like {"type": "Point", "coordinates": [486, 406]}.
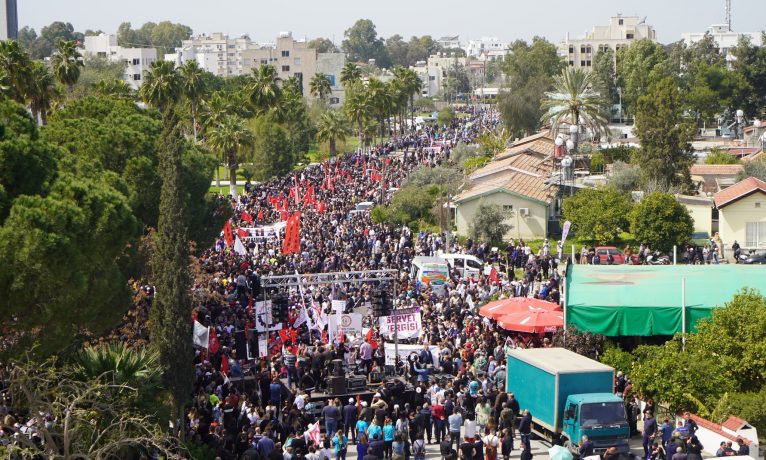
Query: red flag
{"type": "Point", "coordinates": [228, 235]}
{"type": "Point", "coordinates": [294, 336]}
{"type": "Point", "coordinates": [286, 248]}
{"type": "Point", "coordinates": [212, 345]}
{"type": "Point", "coordinates": [260, 214]}
{"type": "Point", "coordinates": [285, 204]}
{"type": "Point", "coordinates": [296, 195]}
{"type": "Point", "coordinates": [493, 277]}
{"type": "Point", "coordinates": [246, 216]}
{"type": "Point", "coordinates": [371, 339]}
{"type": "Point", "coordinates": [324, 336]}
{"type": "Point", "coordinates": [283, 335]}
{"type": "Point", "coordinates": [284, 215]}
{"type": "Point", "coordinates": [242, 233]}
{"type": "Point", "coordinates": [225, 365]}
{"type": "Point", "coordinates": [250, 305]}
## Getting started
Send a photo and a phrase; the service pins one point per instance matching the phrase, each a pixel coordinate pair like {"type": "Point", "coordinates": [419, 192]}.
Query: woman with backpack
{"type": "Point", "coordinates": [491, 443]}
{"type": "Point", "coordinates": [419, 447]}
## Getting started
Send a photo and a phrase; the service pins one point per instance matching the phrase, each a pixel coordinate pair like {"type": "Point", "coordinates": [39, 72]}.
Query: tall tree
{"type": "Point", "coordinates": [638, 65]}
{"type": "Point", "coordinates": [50, 36]}
{"type": "Point", "coordinates": [398, 49]}
{"type": "Point", "coordinates": [193, 86]}
{"type": "Point", "coordinates": [169, 326]}
{"type": "Point", "coordinates": [350, 74]}
{"type": "Point", "coordinates": [358, 107]}
{"type": "Point", "coordinates": [362, 44]}
{"type": "Point", "coordinates": [605, 76]}
{"type": "Point", "coordinates": [529, 69]}
{"type": "Point", "coordinates": [228, 138]}
{"type": "Point", "coordinates": [165, 36]}
{"type": "Point", "coordinates": [666, 152]}
{"type": "Point", "coordinates": [162, 85]}
{"type": "Point", "coordinates": [750, 63]}
{"type": "Point", "coordinates": [66, 63]}
{"type": "Point", "coordinates": [331, 128]}
{"type": "Point", "coordinates": [323, 45]}
{"type": "Point", "coordinates": [15, 67]}
{"type": "Point", "coordinates": [661, 221]}
{"type": "Point", "coordinates": [272, 149]}
{"type": "Point", "coordinates": [264, 90]}
{"type": "Point", "coordinates": [320, 86]}
{"type": "Point", "coordinates": [575, 101]}
{"type": "Point", "coordinates": [42, 91]}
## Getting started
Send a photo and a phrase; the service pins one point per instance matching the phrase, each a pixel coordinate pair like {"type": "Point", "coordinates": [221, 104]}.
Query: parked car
{"type": "Point", "coordinates": [756, 258]}
{"type": "Point", "coordinates": [617, 255]}
{"type": "Point", "coordinates": [465, 264]}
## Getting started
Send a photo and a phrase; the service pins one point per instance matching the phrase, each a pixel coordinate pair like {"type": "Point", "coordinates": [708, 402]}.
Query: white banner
{"type": "Point", "coordinates": [407, 350]}
{"type": "Point", "coordinates": [263, 317]}
{"type": "Point", "coordinates": [201, 336]}
{"type": "Point", "coordinates": [348, 324]}
{"type": "Point", "coordinates": [262, 345]}
{"type": "Point", "coordinates": [338, 306]}
{"type": "Point", "coordinates": [408, 324]}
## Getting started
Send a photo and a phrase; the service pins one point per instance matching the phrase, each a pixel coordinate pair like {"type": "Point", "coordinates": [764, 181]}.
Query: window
{"type": "Point", "coordinates": [101, 54]}
{"type": "Point", "coordinates": [755, 234]}
{"type": "Point", "coordinates": [136, 61]}
{"type": "Point", "coordinates": [285, 68]}
{"type": "Point", "coordinates": [757, 205]}
{"type": "Point", "coordinates": [330, 77]}
{"type": "Point", "coordinates": [285, 53]}
{"type": "Point", "coordinates": [231, 46]}
{"type": "Point", "coordinates": [629, 36]}
{"type": "Point", "coordinates": [473, 264]}
{"type": "Point", "coordinates": [136, 77]}
{"type": "Point", "coordinates": [571, 63]}
{"type": "Point", "coordinates": [264, 61]}
{"type": "Point", "coordinates": [231, 54]}
{"type": "Point", "coordinates": [582, 49]}
{"type": "Point", "coordinates": [431, 77]}
{"type": "Point", "coordinates": [587, 63]}
{"type": "Point", "coordinates": [582, 63]}
{"type": "Point", "coordinates": [334, 100]}
{"type": "Point", "coordinates": [621, 22]}
{"type": "Point", "coordinates": [296, 61]}
{"type": "Point", "coordinates": [508, 207]}
{"type": "Point", "coordinates": [571, 49]}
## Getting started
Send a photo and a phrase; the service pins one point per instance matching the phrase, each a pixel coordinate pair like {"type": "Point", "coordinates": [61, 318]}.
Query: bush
{"type": "Point", "coordinates": [661, 221]}
{"type": "Point", "coordinates": [446, 115]}
{"type": "Point", "coordinates": [719, 157]}
{"type": "Point", "coordinates": [597, 162]}
{"type": "Point", "coordinates": [625, 177]}
{"type": "Point", "coordinates": [617, 358]}
{"type": "Point", "coordinates": [598, 214]}
{"type": "Point", "coordinates": [472, 164]}
{"type": "Point", "coordinates": [620, 153]}
{"type": "Point", "coordinates": [463, 152]}
{"type": "Point", "coordinates": [489, 225]}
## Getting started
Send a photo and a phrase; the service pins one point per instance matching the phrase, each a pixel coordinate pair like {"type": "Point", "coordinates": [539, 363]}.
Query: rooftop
{"type": "Point", "coordinates": [739, 190]}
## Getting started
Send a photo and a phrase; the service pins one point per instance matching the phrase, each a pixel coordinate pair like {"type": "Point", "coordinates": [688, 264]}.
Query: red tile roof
{"type": "Point", "coordinates": [714, 427]}
{"type": "Point", "coordinates": [739, 190]}
{"type": "Point", "coordinates": [734, 423]}
{"type": "Point", "coordinates": [701, 170]}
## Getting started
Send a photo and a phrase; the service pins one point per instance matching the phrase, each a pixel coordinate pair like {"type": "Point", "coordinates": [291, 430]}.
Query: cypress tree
{"type": "Point", "coordinates": [170, 317]}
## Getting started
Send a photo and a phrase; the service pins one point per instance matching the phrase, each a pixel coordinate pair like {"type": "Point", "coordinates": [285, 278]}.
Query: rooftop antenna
{"type": "Point", "coordinates": [728, 14]}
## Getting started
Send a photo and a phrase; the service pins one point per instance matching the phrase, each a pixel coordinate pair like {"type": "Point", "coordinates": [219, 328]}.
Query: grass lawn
{"type": "Point", "coordinates": [224, 189]}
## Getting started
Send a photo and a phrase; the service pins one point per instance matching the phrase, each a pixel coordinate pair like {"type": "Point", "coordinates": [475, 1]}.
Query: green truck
{"type": "Point", "coordinates": [568, 396]}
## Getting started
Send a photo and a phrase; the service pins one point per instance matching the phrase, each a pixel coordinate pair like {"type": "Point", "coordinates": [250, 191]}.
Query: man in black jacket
{"type": "Point", "coordinates": [349, 419]}
{"type": "Point", "coordinates": [525, 428]}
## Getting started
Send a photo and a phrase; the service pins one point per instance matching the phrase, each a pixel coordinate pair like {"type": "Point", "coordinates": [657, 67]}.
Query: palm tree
{"type": "Point", "coordinates": [228, 138]}
{"type": "Point", "coordinates": [331, 128]}
{"type": "Point", "coordinates": [320, 86]}
{"type": "Point", "coordinates": [358, 107]}
{"type": "Point", "coordinates": [66, 63]}
{"type": "Point", "coordinates": [193, 86]}
{"type": "Point", "coordinates": [575, 101]}
{"type": "Point", "coordinates": [264, 90]}
{"type": "Point", "coordinates": [118, 364]}
{"type": "Point", "coordinates": [162, 85]}
{"type": "Point", "coordinates": [380, 101]}
{"type": "Point", "coordinates": [117, 89]}
{"type": "Point", "coordinates": [15, 67]}
{"type": "Point", "coordinates": [41, 90]}
{"type": "Point", "coordinates": [350, 74]}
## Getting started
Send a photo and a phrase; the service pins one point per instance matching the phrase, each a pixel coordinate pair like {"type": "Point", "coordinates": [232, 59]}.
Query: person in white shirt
{"type": "Point", "coordinates": [469, 427]}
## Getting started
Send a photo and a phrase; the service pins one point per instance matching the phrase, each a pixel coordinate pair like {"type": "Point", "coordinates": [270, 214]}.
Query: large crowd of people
{"type": "Point", "coordinates": [468, 415]}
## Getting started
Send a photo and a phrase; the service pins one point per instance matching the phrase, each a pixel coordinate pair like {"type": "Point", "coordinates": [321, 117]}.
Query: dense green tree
{"type": "Point", "coordinates": [15, 68]}
{"type": "Point", "coordinates": [272, 151]}
{"type": "Point", "coordinates": [320, 86]}
{"type": "Point", "coordinates": [26, 37]}
{"type": "Point", "coordinates": [398, 50]}
{"type": "Point", "coordinates": [332, 128]}
{"type": "Point", "coordinates": [750, 64]}
{"type": "Point", "coordinates": [358, 107]}
{"type": "Point", "coordinates": [446, 116]}
{"type": "Point", "coordinates": [666, 153]}
{"type": "Point", "coordinates": [638, 66]}
{"type": "Point", "coordinates": [713, 89]}
{"type": "Point", "coordinates": [574, 101]}
{"type": "Point", "coordinates": [605, 76]}
{"type": "Point", "coordinates": [661, 221]}
{"type": "Point", "coordinates": [755, 169]}
{"type": "Point", "coordinates": [162, 85]}
{"type": "Point", "coordinates": [362, 43]}
{"type": "Point", "coordinates": [66, 63]}
{"type": "Point", "coordinates": [42, 91]}
{"type": "Point", "coordinates": [420, 48]}
{"type": "Point", "coordinates": [323, 45]}
{"type": "Point", "coordinates": [489, 224]}
{"type": "Point", "coordinates": [96, 74]}
{"type": "Point", "coordinates": [457, 81]}
{"type": "Point", "coordinates": [193, 87]}
{"type": "Point", "coordinates": [165, 36]}
{"type": "Point", "coordinates": [529, 70]}
{"type": "Point", "coordinates": [50, 36]}
{"type": "Point", "coordinates": [597, 214]}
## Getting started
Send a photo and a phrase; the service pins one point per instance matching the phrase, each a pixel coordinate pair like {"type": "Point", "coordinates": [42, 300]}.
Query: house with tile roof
{"type": "Point", "coordinates": [742, 213]}
{"type": "Point", "coordinates": [517, 180]}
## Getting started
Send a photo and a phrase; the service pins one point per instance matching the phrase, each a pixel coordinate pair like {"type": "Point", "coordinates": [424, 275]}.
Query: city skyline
{"type": "Point", "coordinates": [670, 19]}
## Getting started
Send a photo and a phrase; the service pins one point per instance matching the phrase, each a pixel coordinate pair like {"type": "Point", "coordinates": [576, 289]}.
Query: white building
{"type": "Point", "coordinates": [433, 73]}
{"type": "Point", "coordinates": [723, 36]}
{"type": "Point", "coordinates": [226, 57]}
{"type": "Point", "coordinates": [621, 31]}
{"type": "Point", "coordinates": [136, 60]}
{"type": "Point", "coordinates": [449, 42]}
{"type": "Point", "coordinates": [490, 46]}
{"type": "Point", "coordinates": [9, 20]}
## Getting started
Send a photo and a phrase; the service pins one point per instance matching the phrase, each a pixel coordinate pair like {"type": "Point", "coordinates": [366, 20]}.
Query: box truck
{"type": "Point", "coordinates": [568, 396]}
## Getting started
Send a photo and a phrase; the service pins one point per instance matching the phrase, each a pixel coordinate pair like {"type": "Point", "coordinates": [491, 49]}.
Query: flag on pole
{"type": "Point", "coordinates": [313, 433]}
{"type": "Point", "coordinates": [239, 248]}
{"type": "Point", "coordinates": [201, 335]}
{"type": "Point", "coordinates": [493, 277]}
{"type": "Point", "coordinates": [260, 214]}
{"type": "Point", "coordinates": [225, 365]}
{"type": "Point", "coordinates": [246, 216]}
{"type": "Point", "coordinates": [213, 342]}
{"type": "Point", "coordinates": [228, 234]}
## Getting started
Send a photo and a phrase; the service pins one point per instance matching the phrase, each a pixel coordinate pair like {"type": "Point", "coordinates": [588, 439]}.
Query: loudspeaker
{"type": "Point", "coordinates": [356, 382]}
{"type": "Point", "coordinates": [337, 368]}
{"type": "Point", "coordinates": [336, 385]}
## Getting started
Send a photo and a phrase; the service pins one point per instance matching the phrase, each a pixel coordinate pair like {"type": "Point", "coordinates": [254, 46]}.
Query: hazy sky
{"type": "Point", "coordinates": [506, 19]}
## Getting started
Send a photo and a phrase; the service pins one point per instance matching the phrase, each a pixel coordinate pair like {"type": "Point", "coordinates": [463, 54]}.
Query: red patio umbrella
{"type": "Point", "coordinates": [499, 308]}
{"type": "Point", "coordinates": [532, 320]}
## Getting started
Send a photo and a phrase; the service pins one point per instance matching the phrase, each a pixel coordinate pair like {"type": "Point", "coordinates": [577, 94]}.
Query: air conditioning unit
{"type": "Point", "coordinates": [524, 212]}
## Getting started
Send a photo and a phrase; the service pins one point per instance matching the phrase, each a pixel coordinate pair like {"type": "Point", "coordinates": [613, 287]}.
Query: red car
{"type": "Point", "coordinates": [617, 255]}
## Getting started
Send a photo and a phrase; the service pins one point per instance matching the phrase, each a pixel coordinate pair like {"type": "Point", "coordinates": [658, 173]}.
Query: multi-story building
{"type": "Point", "coordinates": [449, 42]}
{"type": "Point", "coordinates": [621, 31]}
{"type": "Point", "coordinates": [136, 60]}
{"type": "Point", "coordinates": [225, 57]}
{"type": "Point", "coordinates": [488, 46]}
{"type": "Point", "coordinates": [9, 20]}
{"type": "Point", "coordinates": [724, 37]}
{"type": "Point", "coordinates": [433, 73]}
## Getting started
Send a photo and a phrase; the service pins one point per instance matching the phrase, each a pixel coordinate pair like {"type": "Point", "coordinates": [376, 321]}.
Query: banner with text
{"type": "Point", "coordinates": [407, 322]}
{"type": "Point", "coordinates": [347, 324]}
{"type": "Point", "coordinates": [406, 350]}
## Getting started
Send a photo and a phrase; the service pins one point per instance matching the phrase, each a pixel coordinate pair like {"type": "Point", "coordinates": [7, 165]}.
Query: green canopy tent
{"type": "Point", "coordinates": [626, 300]}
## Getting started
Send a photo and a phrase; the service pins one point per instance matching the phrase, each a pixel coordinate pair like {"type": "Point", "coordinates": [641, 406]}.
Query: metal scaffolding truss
{"type": "Point", "coordinates": [315, 279]}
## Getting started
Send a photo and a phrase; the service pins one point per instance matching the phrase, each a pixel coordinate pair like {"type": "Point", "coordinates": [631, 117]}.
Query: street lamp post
{"type": "Point", "coordinates": [740, 117]}
{"type": "Point", "coordinates": [756, 134]}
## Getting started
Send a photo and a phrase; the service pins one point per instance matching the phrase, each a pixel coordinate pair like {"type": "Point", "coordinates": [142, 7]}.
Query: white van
{"type": "Point", "coordinates": [465, 264]}
{"type": "Point", "coordinates": [432, 271]}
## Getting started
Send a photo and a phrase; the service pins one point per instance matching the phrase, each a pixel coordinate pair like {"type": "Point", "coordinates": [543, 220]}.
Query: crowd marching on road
{"type": "Point", "coordinates": [465, 416]}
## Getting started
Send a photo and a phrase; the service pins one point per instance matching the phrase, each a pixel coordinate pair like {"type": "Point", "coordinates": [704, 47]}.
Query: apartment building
{"type": "Point", "coordinates": [433, 72]}
{"type": "Point", "coordinates": [136, 60]}
{"type": "Point", "coordinates": [724, 37]}
{"type": "Point", "coordinates": [9, 20]}
{"type": "Point", "coordinates": [489, 46]}
{"type": "Point", "coordinates": [227, 57]}
{"type": "Point", "coordinates": [621, 31]}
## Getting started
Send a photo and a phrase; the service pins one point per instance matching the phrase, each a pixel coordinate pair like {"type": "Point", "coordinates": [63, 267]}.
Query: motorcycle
{"type": "Point", "coordinates": [657, 258]}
